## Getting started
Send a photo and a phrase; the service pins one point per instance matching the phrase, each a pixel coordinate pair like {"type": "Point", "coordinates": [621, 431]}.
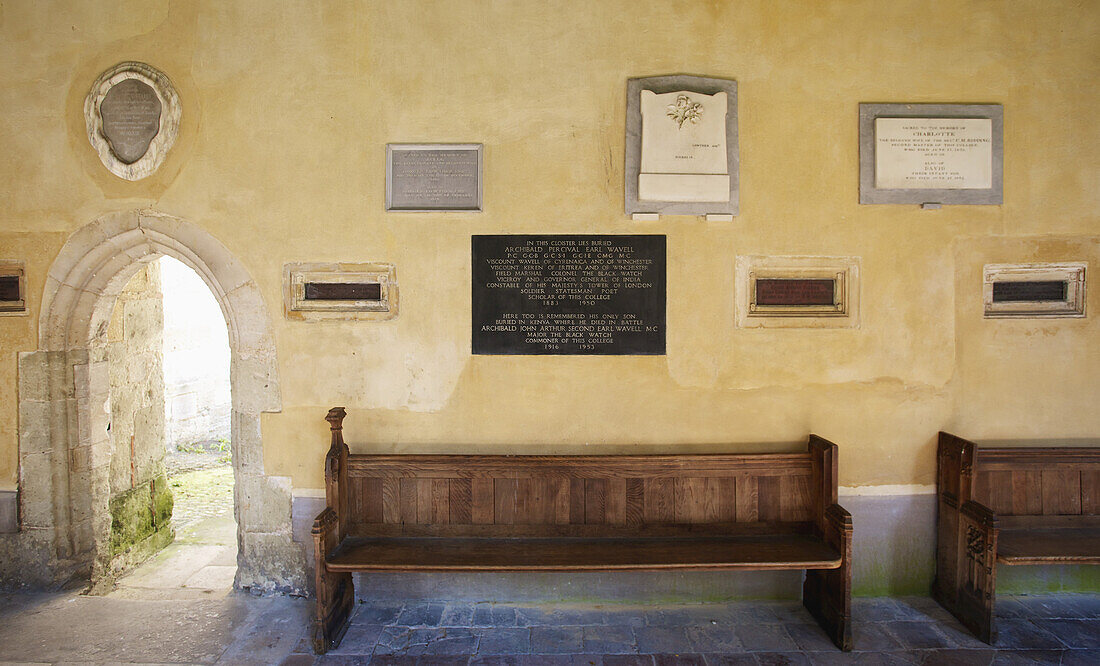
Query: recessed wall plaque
{"type": "Point", "coordinates": [681, 147]}
{"type": "Point", "coordinates": [931, 153]}
{"type": "Point", "coordinates": [1034, 290]}
{"type": "Point", "coordinates": [313, 292]}
{"type": "Point", "coordinates": [132, 115]}
{"type": "Point", "coordinates": [797, 292]}
{"type": "Point", "coordinates": [13, 298]}
{"type": "Point", "coordinates": [578, 294]}
{"type": "Point", "coordinates": [435, 177]}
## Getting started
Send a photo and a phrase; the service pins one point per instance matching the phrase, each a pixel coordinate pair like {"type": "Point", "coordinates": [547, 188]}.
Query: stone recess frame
{"type": "Point", "coordinates": [869, 194]}
{"type": "Point", "coordinates": [1071, 273]}
{"type": "Point", "coordinates": [666, 84]}
{"type": "Point", "coordinates": [297, 308]}
{"type": "Point", "coordinates": [18, 306]}
{"type": "Point", "coordinates": [169, 119]}
{"type": "Point", "coordinates": [476, 148]}
{"type": "Point", "coordinates": [843, 313]}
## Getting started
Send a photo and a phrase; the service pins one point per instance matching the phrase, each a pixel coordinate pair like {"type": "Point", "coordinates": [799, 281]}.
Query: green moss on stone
{"type": "Point", "coordinates": [138, 513]}
{"type": "Point", "coordinates": [1053, 578]}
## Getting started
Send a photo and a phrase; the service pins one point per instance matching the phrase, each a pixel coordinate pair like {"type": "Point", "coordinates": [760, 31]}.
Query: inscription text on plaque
{"type": "Point", "coordinates": [131, 118]}
{"type": "Point", "coordinates": [934, 153]}
{"type": "Point", "coordinates": [433, 177]}
{"type": "Point", "coordinates": [575, 294]}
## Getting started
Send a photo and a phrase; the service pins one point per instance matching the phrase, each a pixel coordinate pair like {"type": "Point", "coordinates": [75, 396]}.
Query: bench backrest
{"type": "Point", "coordinates": [494, 494]}
{"type": "Point", "coordinates": [1032, 481]}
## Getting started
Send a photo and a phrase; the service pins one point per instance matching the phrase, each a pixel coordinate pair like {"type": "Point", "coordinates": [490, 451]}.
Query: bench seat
{"type": "Point", "coordinates": [792, 551]}
{"type": "Point", "coordinates": [1050, 546]}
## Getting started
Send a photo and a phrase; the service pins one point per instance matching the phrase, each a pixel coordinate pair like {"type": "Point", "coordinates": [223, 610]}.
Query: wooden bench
{"type": "Point", "coordinates": [576, 513]}
{"type": "Point", "coordinates": [1014, 506]}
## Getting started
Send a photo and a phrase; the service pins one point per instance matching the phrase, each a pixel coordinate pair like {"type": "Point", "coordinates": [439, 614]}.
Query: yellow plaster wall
{"type": "Point", "coordinates": [287, 110]}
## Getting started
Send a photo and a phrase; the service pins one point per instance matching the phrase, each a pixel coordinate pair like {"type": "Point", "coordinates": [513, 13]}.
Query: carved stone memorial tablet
{"type": "Point", "coordinates": [931, 153]}
{"type": "Point", "coordinates": [681, 147]}
{"type": "Point", "coordinates": [433, 177]}
{"type": "Point", "coordinates": [569, 294]}
{"type": "Point", "coordinates": [132, 115]}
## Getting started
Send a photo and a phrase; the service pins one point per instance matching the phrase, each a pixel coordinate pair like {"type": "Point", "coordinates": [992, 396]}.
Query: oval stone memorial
{"type": "Point", "coordinates": [131, 119]}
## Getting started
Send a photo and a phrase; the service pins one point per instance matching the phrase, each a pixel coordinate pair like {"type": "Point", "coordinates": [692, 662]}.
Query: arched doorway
{"type": "Point", "coordinates": [64, 446]}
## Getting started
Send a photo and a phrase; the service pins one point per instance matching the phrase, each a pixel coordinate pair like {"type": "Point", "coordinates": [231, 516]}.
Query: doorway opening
{"type": "Point", "coordinates": [171, 480]}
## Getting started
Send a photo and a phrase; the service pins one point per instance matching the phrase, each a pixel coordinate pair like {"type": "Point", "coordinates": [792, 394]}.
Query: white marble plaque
{"type": "Point", "coordinates": [934, 153]}
{"type": "Point", "coordinates": [683, 147]}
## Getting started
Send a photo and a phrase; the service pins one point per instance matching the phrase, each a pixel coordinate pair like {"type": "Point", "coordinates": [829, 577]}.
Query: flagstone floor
{"type": "Point", "coordinates": [235, 628]}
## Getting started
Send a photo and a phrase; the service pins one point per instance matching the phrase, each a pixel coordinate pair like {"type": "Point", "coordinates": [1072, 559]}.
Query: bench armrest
{"type": "Point", "coordinates": [828, 594]}
{"type": "Point", "coordinates": [326, 535]}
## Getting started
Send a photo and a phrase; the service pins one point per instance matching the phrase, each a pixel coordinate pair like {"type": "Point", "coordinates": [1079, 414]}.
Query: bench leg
{"type": "Point", "coordinates": [967, 570]}
{"type": "Point", "coordinates": [335, 600]}
{"type": "Point", "coordinates": [827, 593]}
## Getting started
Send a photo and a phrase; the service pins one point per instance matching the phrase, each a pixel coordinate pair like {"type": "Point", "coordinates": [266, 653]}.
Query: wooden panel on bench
{"type": "Point", "coordinates": [793, 551]}
{"type": "Point", "coordinates": [572, 490]}
{"type": "Point", "coordinates": [1038, 481]}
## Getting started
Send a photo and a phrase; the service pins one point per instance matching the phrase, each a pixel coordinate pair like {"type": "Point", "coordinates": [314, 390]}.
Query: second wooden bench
{"type": "Point", "coordinates": [1011, 506]}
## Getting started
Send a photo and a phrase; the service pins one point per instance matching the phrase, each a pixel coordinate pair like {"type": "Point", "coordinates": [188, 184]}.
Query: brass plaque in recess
{"type": "Point", "coordinates": [131, 119]}
{"type": "Point", "coordinates": [343, 291]}
{"type": "Point", "coordinates": [795, 291]}
{"type": "Point", "coordinates": [9, 288]}
{"type": "Point", "coordinates": [1035, 291]}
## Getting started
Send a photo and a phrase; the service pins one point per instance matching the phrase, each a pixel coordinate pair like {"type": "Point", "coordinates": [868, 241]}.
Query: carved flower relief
{"type": "Point", "coordinates": [684, 110]}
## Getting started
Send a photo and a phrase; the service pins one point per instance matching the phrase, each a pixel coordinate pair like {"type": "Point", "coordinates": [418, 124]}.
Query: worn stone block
{"type": "Point", "coordinates": [270, 562]}
{"type": "Point", "coordinates": [255, 382]}
{"type": "Point", "coordinates": [37, 494]}
{"type": "Point", "coordinates": [263, 502]}
{"type": "Point", "coordinates": [34, 375]}
{"type": "Point", "coordinates": [9, 511]}
{"type": "Point", "coordinates": [34, 426]}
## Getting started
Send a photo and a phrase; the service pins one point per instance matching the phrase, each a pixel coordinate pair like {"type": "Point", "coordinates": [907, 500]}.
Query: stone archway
{"type": "Point", "coordinates": [65, 452]}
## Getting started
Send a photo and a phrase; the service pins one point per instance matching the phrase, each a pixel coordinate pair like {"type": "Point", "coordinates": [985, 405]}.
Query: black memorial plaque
{"type": "Point", "coordinates": [131, 118]}
{"type": "Point", "coordinates": [9, 288]}
{"type": "Point", "coordinates": [549, 294]}
{"type": "Point", "coordinates": [343, 291]}
{"type": "Point", "coordinates": [438, 179]}
{"type": "Point", "coordinates": [1029, 291]}
{"type": "Point", "coordinates": [795, 291]}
